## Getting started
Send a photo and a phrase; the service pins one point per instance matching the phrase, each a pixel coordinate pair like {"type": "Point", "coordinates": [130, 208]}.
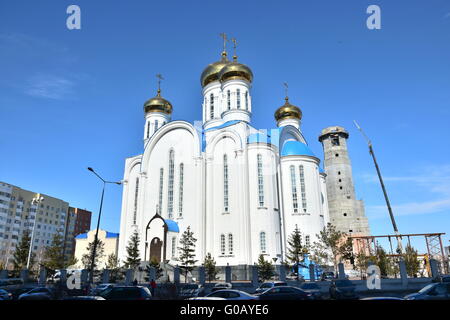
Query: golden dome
{"type": "Point", "coordinates": [236, 70]}
{"type": "Point", "coordinates": [211, 72]}
{"type": "Point", "coordinates": [288, 111]}
{"type": "Point", "coordinates": [158, 104]}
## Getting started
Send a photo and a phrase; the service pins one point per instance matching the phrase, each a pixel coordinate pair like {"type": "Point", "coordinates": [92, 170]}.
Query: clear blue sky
{"type": "Point", "coordinates": [72, 99]}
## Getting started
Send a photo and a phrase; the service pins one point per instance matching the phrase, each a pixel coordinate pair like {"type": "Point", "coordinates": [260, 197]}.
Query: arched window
{"type": "Point", "coordinates": [260, 181]}
{"type": "Point", "coordinates": [156, 125]}
{"type": "Point", "coordinates": [161, 180]}
{"type": "Point", "coordinates": [180, 191]}
{"type": "Point", "coordinates": [238, 98]}
{"type": "Point", "coordinates": [262, 242]}
{"type": "Point", "coordinates": [174, 247]}
{"type": "Point", "coordinates": [225, 183]}
{"type": "Point", "coordinates": [222, 243]}
{"type": "Point", "coordinates": [148, 129]}
{"type": "Point", "coordinates": [136, 191]}
{"type": "Point", "coordinates": [229, 99]}
{"type": "Point", "coordinates": [170, 187]}
{"type": "Point", "coordinates": [211, 105]}
{"type": "Point", "coordinates": [302, 187]}
{"type": "Point", "coordinates": [246, 100]}
{"type": "Point", "coordinates": [230, 243]}
{"type": "Point", "coordinates": [294, 189]}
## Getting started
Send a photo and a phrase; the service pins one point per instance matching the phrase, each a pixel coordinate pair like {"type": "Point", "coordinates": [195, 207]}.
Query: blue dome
{"type": "Point", "coordinates": [296, 148]}
{"type": "Point", "coordinates": [172, 225]}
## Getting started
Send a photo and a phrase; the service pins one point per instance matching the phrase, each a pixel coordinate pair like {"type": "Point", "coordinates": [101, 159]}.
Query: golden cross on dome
{"type": "Point", "coordinates": [225, 39]}
{"type": "Point", "coordinates": [286, 88]}
{"type": "Point", "coordinates": [234, 48]}
{"type": "Point", "coordinates": [159, 77]}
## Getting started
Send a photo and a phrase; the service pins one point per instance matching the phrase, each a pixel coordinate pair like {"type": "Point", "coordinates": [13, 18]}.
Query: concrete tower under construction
{"type": "Point", "coordinates": [347, 213]}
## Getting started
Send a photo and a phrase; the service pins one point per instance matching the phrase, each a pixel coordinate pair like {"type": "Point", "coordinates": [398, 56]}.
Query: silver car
{"type": "Point", "coordinates": [232, 295]}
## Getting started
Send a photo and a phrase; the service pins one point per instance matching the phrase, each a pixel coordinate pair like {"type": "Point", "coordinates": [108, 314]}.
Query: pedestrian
{"type": "Point", "coordinates": [152, 287]}
{"type": "Point", "coordinates": [135, 282]}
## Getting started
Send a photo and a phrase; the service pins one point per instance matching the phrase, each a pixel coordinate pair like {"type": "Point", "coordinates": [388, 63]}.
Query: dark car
{"type": "Point", "coordinates": [126, 293]}
{"type": "Point", "coordinates": [221, 286]}
{"type": "Point", "coordinates": [433, 291]}
{"type": "Point", "coordinates": [382, 298]}
{"type": "Point", "coordinates": [312, 288]}
{"type": "Point", "coordinates": [83, 298]}
{"type": "Point", "coordinates": [285, 293]}
{"type": "Point", "coordinates": [39, 293]}
{"type": "Point", "coordinates": [99, 288]}
{"type": "Point", "coordinates": [191, 290]}
{"type": "Point", "coordinates": [5, 295]}
{"type": "Point", "coordinates": [270, 284]}
{"type": "Point", "coordinates": [18, 291]}
{"type": "Point", "coordinates": [327, 276]}
{"type": "Point", "coordinates": [342, 289]}
{"type": "Point", "coordinates": [442, 278]}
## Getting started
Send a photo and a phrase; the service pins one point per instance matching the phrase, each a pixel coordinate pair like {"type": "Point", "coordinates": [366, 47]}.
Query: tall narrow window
{"type": "Point", "coordinates": [136, 190]}
{"type": "Point", "coordinates": [307, 241]}
{"type": "Point", "coordinates": [156, 125]}
{"type": "Point", "coordinates": [238, 98]}
{"type": "Point", "coordinates": [246, 100]}
{"type": "Point", "coordinates": [170, 186]}
{"type": "Point", "coordinates": [229, 99]}
{"type": "Point", "coordinates": [161, 180]}
{"type": "Point", "coordinates": [211, 105]}
{"type": "Point", "coordinates": [174, 247]}
{"type": "Point", "coordinates": [148, 129]}
{"type": "Point", "coordinates": [262, 242]}
{"type": "Point", "coordinates": [260, 181]}
{"type": "Point", "coordinates": [230, 243]}
{"type": "Point", "coordinates": [222, 243]}
{"type": "Point", "coordinates": [225, 183]}
{"type": "Point", "coordinates": [180, 191]}
{"type": "Point", "coordinates": [294, 189]}
{"type": "Point", "coordinates": [302, 187]}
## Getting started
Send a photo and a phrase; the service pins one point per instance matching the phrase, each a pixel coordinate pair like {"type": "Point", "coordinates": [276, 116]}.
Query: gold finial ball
{"type": "Point", "coordinates": [158, 104]}
{"type": "Point", "coordinates": [288, 111]}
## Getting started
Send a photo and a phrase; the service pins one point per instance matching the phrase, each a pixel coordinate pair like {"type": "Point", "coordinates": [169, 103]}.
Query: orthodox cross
{"type": "Point", "coordinates": [286, 88]}
{"type": "Point", "coordinates": [225, 39]}
{"type": "Point", "coordinates": [159, 77]}
{"type": "Point", "coordinates": [234, 47]}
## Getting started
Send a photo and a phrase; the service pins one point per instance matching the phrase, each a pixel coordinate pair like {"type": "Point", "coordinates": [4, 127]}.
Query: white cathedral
{"type": "Point", "coordinates": [242, 191]}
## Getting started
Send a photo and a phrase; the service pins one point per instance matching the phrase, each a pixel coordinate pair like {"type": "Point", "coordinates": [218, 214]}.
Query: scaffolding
{"type": "Point", "coordinates": [435, 249]}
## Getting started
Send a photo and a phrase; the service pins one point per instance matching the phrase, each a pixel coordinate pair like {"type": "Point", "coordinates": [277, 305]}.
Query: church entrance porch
{"type": "Point", "coordinates": [155, 249]}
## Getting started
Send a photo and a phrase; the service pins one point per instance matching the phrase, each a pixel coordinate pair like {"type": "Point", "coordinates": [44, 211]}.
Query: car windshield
{"type": "Point", "coordinates": [344, 283]}
{"type": "Point", "coordinates": [426, 288]}
{"type": "Point", "coordinates": [266, 285]}
{"type": "Point", "coordinates": [190, 286]}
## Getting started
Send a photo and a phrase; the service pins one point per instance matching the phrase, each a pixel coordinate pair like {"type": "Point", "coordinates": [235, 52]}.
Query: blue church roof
{"type": "Point", "coordinates": [172, 225]}
{"type": "Point", "coordinates": [81, 236]}
{"type": "Point", "coordinates": [108, 235]}
{"type": "Point", "coordinates": [296, 148]}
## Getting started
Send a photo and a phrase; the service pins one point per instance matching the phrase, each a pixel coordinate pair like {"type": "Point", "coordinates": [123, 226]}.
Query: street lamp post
{"type": "Point", "coordinates": [37, 200]}
{"type": "Point", "coordinates": [94, 250]}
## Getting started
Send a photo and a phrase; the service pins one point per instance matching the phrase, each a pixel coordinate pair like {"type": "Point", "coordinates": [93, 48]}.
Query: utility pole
{"type": "Point", "coordinates": [391, 214]}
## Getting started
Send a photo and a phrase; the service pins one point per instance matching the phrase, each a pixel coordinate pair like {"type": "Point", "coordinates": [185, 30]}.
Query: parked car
{"type": "Point", "coordinates": [327, 276]}
{"type": "Point", "coordinates": [18, 291]}
{"type": "Point", "coordinates": [84, 298]}
{"type": "Point", "coordinates": [206, 298]}
{"type": "Point", "coordinates": [432, 291]}
{"type": "Point", "coordinates": [268, 285]}
{"type": "Point", "coordinates": [232, 295]}
{"type": "Point", "coordinates": [442, 278]}
{"type": "Point", "coordinates": [99, 288]}
{"type": "Point", "coordinates": [342, 289]}
{"type": "Point", "coordinates": [382, 298]}
{"type": "Point", "coordinates": [39, 293]}
{"type": "Point", "coordinates": [11, 283]}
{"type": "Point", "coordinates": [285, 293]}
{"type": "Point", "coordinates": [222, 286]}
{"type": "Point", "coordinates": [126, 293]}
{"type": "Point", "coordinates": [192, 290]}
{"type": "Point", "coordinates": [5, 295]}
{"type": "Point", "coordinates": [313, 288]}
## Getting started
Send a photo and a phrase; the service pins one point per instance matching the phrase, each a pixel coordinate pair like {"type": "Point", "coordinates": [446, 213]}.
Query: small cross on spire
{"type": "Point", "coordinates": [286, 89]}
{"type": "Point", "coordinates": [159, 77]}
{"type": "Point", "coordinates": [234, 48]}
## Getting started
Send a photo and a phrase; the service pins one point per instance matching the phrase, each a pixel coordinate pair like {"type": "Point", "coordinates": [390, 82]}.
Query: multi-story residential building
{"type": "Point", "coordinates": [20, 212]}
{"type": "Point", "coordinates": [78, 222]}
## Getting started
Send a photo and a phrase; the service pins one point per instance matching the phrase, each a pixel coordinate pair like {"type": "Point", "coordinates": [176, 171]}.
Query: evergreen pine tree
{"type": "Point", "coordinates": [113, 265]}
{"type": "Point", "coordinates": [411, 261]}
{"type": "Point", "coordinates": [295, 250]}
{"type": "Point", "coordinates": [20, 257]}
{"type": "Point", "coordinates": [158, 270]}
{"type": "Point", "coordinates": [265, 269]}
{"type": "Point", "coordinates": [210, 267]}
{"type": "Point", "coordinates": [187, 251]}
{"type": "Point", "coordinates": [86, 259]}
{"type": "Point", "coordinates": [133, 256]}
{"type": "Point", "coordinates": [54, 255]}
